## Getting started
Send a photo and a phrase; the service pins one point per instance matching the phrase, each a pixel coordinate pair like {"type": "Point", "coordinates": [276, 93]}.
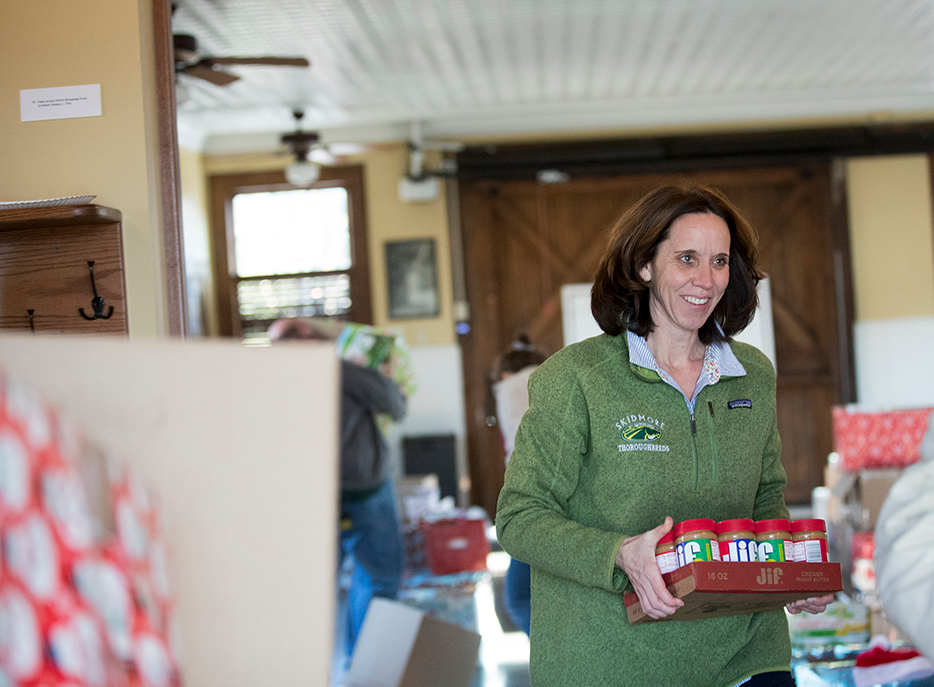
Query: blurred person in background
{"type": "Point", "coordinates": [370, 529]}
{"type": "Point", "coordinates": [510, 387]}
{"type": "Point", "coordinates": [904, 550]}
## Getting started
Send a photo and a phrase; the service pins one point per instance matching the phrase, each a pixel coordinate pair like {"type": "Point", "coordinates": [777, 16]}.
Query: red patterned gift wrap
{"type": "Point", "coordinates": [865, 440]}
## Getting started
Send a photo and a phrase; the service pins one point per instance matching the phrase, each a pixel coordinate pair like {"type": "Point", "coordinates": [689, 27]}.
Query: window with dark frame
{"type": "Point", "coordinates": [284, 251]}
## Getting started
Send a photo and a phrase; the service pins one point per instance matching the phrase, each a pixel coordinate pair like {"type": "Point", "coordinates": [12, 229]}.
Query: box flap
{"type": "Point", "coordinates": [386, 641]}
{"type": "Point", "coordinates": [444, 654]}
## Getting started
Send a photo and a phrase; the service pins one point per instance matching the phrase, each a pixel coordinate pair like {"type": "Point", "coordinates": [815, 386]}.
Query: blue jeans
{"type": "Point", "coordinates": [374, 539]}
{"type": "Point", "coordinates": [517, 594]}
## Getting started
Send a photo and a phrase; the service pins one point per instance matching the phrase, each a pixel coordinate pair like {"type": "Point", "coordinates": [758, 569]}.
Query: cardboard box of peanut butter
{"type": "Point", "coordinates": [713, 589]}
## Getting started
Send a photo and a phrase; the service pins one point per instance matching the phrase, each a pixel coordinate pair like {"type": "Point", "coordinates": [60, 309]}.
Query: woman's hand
{"type": "Point", "coordinates": [815, 604]}
{"type": "Point", "coordinates": [636, 557]}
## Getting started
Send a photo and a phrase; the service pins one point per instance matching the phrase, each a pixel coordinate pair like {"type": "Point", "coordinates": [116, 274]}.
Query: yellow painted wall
{"type": "Point", "coordinates": [388, 219]}
{"type": "Point", "coordinates": [196, 236]}
{"type": "Point", "coordinates": [48, 43]}
{"type": "Point", "coordinates": [892, 240]}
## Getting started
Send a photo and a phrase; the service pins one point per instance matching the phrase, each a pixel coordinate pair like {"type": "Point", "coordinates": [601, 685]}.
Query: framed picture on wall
{"type": "Point", "coordinates": [412, 273]}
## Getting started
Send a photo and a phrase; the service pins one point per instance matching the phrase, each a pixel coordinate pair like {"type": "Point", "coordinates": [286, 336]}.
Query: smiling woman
{"type": "Point", "coordinates": [611, 453]}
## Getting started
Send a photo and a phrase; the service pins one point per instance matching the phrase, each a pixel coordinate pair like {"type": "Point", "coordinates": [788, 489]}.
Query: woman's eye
{"type": "Point", "coordinates": [687, 259]}
{"type": "Point", "coordinates": [721, 262]}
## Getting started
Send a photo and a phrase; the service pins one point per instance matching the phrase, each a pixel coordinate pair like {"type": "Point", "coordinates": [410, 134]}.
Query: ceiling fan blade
{"type": "Point", "coordinates": [272, 61]}
{"type": "Point", "coordinates": [343, 149]}
{"type": "Point", "coordinates": [322, 156]}
{"type": "Point", "coordinates": [215, 76]}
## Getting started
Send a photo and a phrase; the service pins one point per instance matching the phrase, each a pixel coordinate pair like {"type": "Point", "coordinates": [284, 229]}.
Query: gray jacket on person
{"type": "Point", "coordinates": [365, 392]}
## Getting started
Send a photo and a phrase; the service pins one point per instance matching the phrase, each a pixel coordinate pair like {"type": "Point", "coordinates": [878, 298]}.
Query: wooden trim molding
{"type": "Point", "coordinates": [173, 253]}
{"type": "Point", "coordinates": [681, 153]}
{"type": "Point", "coordinates": [843, 280]}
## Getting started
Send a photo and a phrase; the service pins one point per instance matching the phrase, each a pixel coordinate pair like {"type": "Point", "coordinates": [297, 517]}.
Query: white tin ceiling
{"type": "Point", "coordinates": [475, 68]}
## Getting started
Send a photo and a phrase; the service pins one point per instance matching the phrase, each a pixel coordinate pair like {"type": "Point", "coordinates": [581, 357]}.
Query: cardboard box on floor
{"type": "Point", "coordinates": [400, 646]}
{"type": "Point", "coordinates": [714, 589]}
{"type": "Point", "coordinates": [857, 497]}
{"type": "Point", "coordinates": [874, 487]}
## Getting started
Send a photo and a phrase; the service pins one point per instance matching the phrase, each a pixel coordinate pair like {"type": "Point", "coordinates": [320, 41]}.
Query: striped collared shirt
{"type": "Point", "coordinates": [718, 361]}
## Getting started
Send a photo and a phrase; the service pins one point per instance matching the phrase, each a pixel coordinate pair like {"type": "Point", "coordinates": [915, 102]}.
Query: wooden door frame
{"type": "Point", "coordinates": [173, 254]}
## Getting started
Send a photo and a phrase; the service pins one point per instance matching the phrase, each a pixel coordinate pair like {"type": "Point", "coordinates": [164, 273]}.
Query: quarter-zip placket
{"type": "Point", "coordinates": [714, 454]}
{"type": "Point", "coordinates": [694, 446]}
{"type": "Point", "coordinates": [712, 437]}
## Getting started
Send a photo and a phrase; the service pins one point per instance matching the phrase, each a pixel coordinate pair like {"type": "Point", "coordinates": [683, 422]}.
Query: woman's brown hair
{"type": "Point", "coordinates": [620, 297]}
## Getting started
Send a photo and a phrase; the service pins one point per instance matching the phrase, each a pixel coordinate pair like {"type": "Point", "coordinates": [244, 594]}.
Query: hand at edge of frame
{"type": "Point", "coordinates": [814, 604]}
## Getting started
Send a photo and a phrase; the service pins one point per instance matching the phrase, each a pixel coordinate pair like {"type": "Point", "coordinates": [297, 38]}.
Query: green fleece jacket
{"type": "Point", "coordinates": [606, 451]}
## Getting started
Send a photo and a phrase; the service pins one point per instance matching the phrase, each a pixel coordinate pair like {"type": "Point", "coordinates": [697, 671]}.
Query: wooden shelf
{"type": "Point", "coordinates": [59, 216]}
{"type": "Point", "coordinates": [44, 255]}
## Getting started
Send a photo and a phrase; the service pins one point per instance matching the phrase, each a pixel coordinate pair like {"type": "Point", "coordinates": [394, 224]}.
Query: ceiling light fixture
{"type": "Point", "coordinates": [302, 172]}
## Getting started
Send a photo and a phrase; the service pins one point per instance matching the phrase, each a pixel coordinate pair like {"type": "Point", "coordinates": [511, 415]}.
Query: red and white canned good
{"type": "Point", "coordinates": [696, 540]}
{"type": "Point", "coordinates": [17, 465]}
{"type": "Point", "coordinates": [21, 654]}
{"type": "Point", "coordinates": [65, 501]}
{"type": "Point", "coordinates": [809, 540]}
{"type": "Point", "coordinates": [33, 556]}
{"type": "Point", "coordinates": [30, 413]}
{"type": "Point", "coordinates": [158, 570]}
{"type": "Point", "coordinates": [863, 546]}
{"type": "Point", "coordinates": [77, 647]}
{"type": "Point", "coordinates": [774, 540]}
{"type": "Point", "coordinates": [737, 540]}
{"type": "Point", "coordinates": [103, 585]}
{"type": "Point", "coordinates": [153, 662]}
{"type": "Point", "coordinates": [132, 531]}
{"type": "Point", "coordinates": [666, 554]}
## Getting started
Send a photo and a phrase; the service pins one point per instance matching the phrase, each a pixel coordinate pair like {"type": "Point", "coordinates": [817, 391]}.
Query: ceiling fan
{"type": "Point", "coordinates": [189, 61]}
{"type": "Point", "coordinates": [302, 145]}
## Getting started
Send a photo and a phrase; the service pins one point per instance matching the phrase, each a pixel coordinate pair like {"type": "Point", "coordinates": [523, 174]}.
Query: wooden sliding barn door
{"type": "Point", "coordinates": [524, 240]}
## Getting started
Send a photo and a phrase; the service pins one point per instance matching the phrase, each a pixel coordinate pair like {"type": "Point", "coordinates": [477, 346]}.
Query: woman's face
{"type": "Point", "coordinates": [689, 273]}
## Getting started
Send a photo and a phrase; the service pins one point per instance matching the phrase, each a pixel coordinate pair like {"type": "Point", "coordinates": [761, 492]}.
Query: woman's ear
{"type": "Point", "coordinates": [646, 273]}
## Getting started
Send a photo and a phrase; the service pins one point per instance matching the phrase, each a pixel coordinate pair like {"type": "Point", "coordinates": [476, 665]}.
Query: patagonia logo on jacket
{"type": "Point", "coordinates": [739, 403]}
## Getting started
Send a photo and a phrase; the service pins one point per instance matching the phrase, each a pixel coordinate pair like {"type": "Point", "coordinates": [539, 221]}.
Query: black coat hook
{"type": "Point", "coordinates": [97, 303]}
{"type": "Point", "coordinates": [32, 325]}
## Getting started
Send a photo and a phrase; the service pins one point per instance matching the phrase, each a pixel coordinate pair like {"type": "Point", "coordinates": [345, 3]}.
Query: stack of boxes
{"type": "Point", "coordinates": [871, 450]}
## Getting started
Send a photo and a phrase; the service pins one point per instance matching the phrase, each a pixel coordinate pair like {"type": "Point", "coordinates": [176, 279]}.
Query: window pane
{"type": "Point", "coordinates": [264, 300]}
{"type": "Point", "coordinates": [290, 232]}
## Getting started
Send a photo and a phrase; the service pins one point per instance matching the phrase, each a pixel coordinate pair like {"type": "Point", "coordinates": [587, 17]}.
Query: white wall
{"type": "Point", "coordinates": [437, 406]}
{"type": "Point", "coordinates": [895, 362]}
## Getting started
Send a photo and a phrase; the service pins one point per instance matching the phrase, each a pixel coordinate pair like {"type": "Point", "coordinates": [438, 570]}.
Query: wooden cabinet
{"type": "Point", "coordinates": [45, 267]}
